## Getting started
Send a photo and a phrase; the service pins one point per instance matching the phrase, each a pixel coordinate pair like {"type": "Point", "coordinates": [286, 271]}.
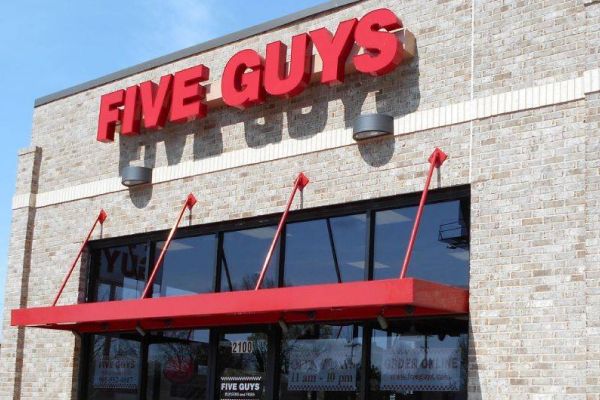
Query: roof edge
{"type": "Point", "coordinates": [193, 50]}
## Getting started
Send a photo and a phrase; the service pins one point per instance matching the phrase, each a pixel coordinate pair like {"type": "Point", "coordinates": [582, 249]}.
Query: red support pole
{"type": "Point", "coordinates": [189, 203]}
{"type": "Point", "coordinates": [99, 219]}
{"type": "Point", "coordinates": [300, 182]}
{"type": "Point", "coordinates": [436, 159]}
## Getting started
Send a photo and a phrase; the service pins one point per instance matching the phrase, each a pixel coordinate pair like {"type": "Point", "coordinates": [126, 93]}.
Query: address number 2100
{"type": "Point", "coordinates": [242, 347]}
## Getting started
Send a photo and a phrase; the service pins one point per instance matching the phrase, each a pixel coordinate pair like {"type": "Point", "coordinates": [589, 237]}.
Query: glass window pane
{"type": "Point", "coordinates": [321, 362]}
{"type": "Point", "coordinates": [241, 365]}
{"type": "Point", "coordinates": [441, 251]}
{"type": "Point", "coordinates": [325, 251]}
{"type": "Point", "coordinates": [188, 267]}
{"type": "Point", "coordinates": [244, 253]}
{"type": "Point", "coordinates": [114, 368]}
{"type": "Point", "coordinates": [121, 272]}
{"type": "Point", "coordinates": [178, 365]}
{"type": "Point", "coordinates": [420, 360]}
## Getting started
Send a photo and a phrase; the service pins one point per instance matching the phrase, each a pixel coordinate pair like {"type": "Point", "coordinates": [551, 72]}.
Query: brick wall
{"type": "Point", "coordinates": [535, 283]}
{"type": "Point", "coordinates": [528, 301]}
{"type": "Point", "coordinates": [62, 128]}
{"type": "Point", "coordinates": [592, 127]}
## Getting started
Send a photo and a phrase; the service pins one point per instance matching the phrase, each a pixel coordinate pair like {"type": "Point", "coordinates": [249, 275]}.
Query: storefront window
{"type": "Point", "coordinates": [410, 359]}
{"type": "Point", "coordinates": [114, 368]}
{"type": "Point", "coordinates": [178, 365]}
{"type": "Point", "coordinates": [441, 251]}
{"type": "Point", "coordinates": [188, 267]}
{"type": "Point", "coordinates": [120, 272]}
{"type": "Point", "coordinates": [244, 253]}
{"type": "Point", "coordinates": [321, 362]}
{"type": "Point", "coordinates": [327, 250]}
{"type": "Point", "coordinates": [419, 360]}
{"type": "Point", "coordinates": [330, 250]}
{"type": "Point", "coordinates": [241, 366]}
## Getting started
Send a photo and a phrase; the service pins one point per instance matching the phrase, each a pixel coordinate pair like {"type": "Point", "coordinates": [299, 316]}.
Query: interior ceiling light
{"type": "Point", "coordinates": [383, 324]}
{"type": "Point", "coordinates": [284, 326]}
{"type": "Point", "coordinates": [372, 125]}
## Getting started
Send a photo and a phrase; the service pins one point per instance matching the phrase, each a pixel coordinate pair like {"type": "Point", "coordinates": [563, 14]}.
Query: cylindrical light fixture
{"type": "Point", "coordinates": [368, 126]}
{"type": "Point", "coordinates": [133, 176]}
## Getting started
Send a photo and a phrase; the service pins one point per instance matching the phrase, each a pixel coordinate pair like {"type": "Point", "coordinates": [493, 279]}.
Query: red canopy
{"type": "Point", "coordinates": [329, 302]}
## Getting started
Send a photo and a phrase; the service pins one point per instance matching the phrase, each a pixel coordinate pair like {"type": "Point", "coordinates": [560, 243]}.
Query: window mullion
{"type": "Point", "coordinates": [213, 349]}
{"type": "Point", "coordinates": [365, 365]}
{"type": "Point", "coordinates": [150, 253]}
{"type": "Point", "coordinates": [143, 370]}
{"type": "Point", "coordinates": [281, 266]}
{"type": "Point", "coordinates": [272, 369]}
{"type": "Point", "coordinates": [219, 262]}
{"type": "Point", "coordinates": [370, 244]}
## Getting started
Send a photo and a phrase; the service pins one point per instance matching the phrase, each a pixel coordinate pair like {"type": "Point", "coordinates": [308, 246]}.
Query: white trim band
{"type": "Point", "coordinates": [485, 107]}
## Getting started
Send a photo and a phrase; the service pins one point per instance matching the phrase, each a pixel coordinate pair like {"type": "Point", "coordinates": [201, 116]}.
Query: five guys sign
{"type": "Point", "coordinates": [248, 77]}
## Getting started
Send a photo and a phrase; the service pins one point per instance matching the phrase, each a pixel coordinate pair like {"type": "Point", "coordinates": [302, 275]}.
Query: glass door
{"type": "Point", "coordinates": [114, 367]}
{"type": "Point", "coordinates": [242, 360]}
{"type": "Point", "coordinates": [178, 365]}
{"type": "Point", "coordinates": [321, 362]}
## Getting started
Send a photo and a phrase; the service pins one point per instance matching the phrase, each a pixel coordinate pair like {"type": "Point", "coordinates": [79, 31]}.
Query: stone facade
{"type": "Point", "coordinates": [509, 89]}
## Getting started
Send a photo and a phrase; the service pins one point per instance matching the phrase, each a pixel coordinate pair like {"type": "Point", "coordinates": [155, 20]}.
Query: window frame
{"type": "Point", "coordinates": [464, 202]}
{"type": "Point", "coordinates": [368, 207]}
{"type": "Point", "coordinates": [327, 219]}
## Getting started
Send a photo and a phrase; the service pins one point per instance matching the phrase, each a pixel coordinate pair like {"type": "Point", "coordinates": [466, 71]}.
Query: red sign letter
{"type": "Point", "coordinates": [155, 101]}
{"type": "Point", "coordinates": [383, 50]}
{"type": "Point", "coordinates": [334, 50]}
{"type": "Point", "coordinates": [188, 95]}
{"type": "Point", "coordinates": [298, 77]}
{"type": "Point", "coordinates": [131, 112]}
{"type": "Point", "coordinates": [239, 88]}
{"type": "Point", "coordinates": [110, 114]}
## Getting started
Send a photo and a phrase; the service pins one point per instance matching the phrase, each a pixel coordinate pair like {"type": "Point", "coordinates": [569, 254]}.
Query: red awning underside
{"type": "Point", "coordinates": [331, 302]}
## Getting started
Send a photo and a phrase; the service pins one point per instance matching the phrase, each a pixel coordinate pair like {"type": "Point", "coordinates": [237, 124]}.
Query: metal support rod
{"type": "Point", "coordinates": [99, 219]}
{"type": "Point", "coordinates": [189, 203]}
{"type": "Point", "coordinates": [436, 159]}
{"type": "Point", "coordinates": [300, 182]}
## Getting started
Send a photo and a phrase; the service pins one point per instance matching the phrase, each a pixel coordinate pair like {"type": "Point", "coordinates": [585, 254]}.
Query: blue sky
{"type": "Point", "coordinates": [47, 46]}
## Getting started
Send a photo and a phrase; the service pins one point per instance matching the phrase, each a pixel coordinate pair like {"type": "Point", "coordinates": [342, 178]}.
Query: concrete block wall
{"type": "Point", "coordinates": [510, 90]}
